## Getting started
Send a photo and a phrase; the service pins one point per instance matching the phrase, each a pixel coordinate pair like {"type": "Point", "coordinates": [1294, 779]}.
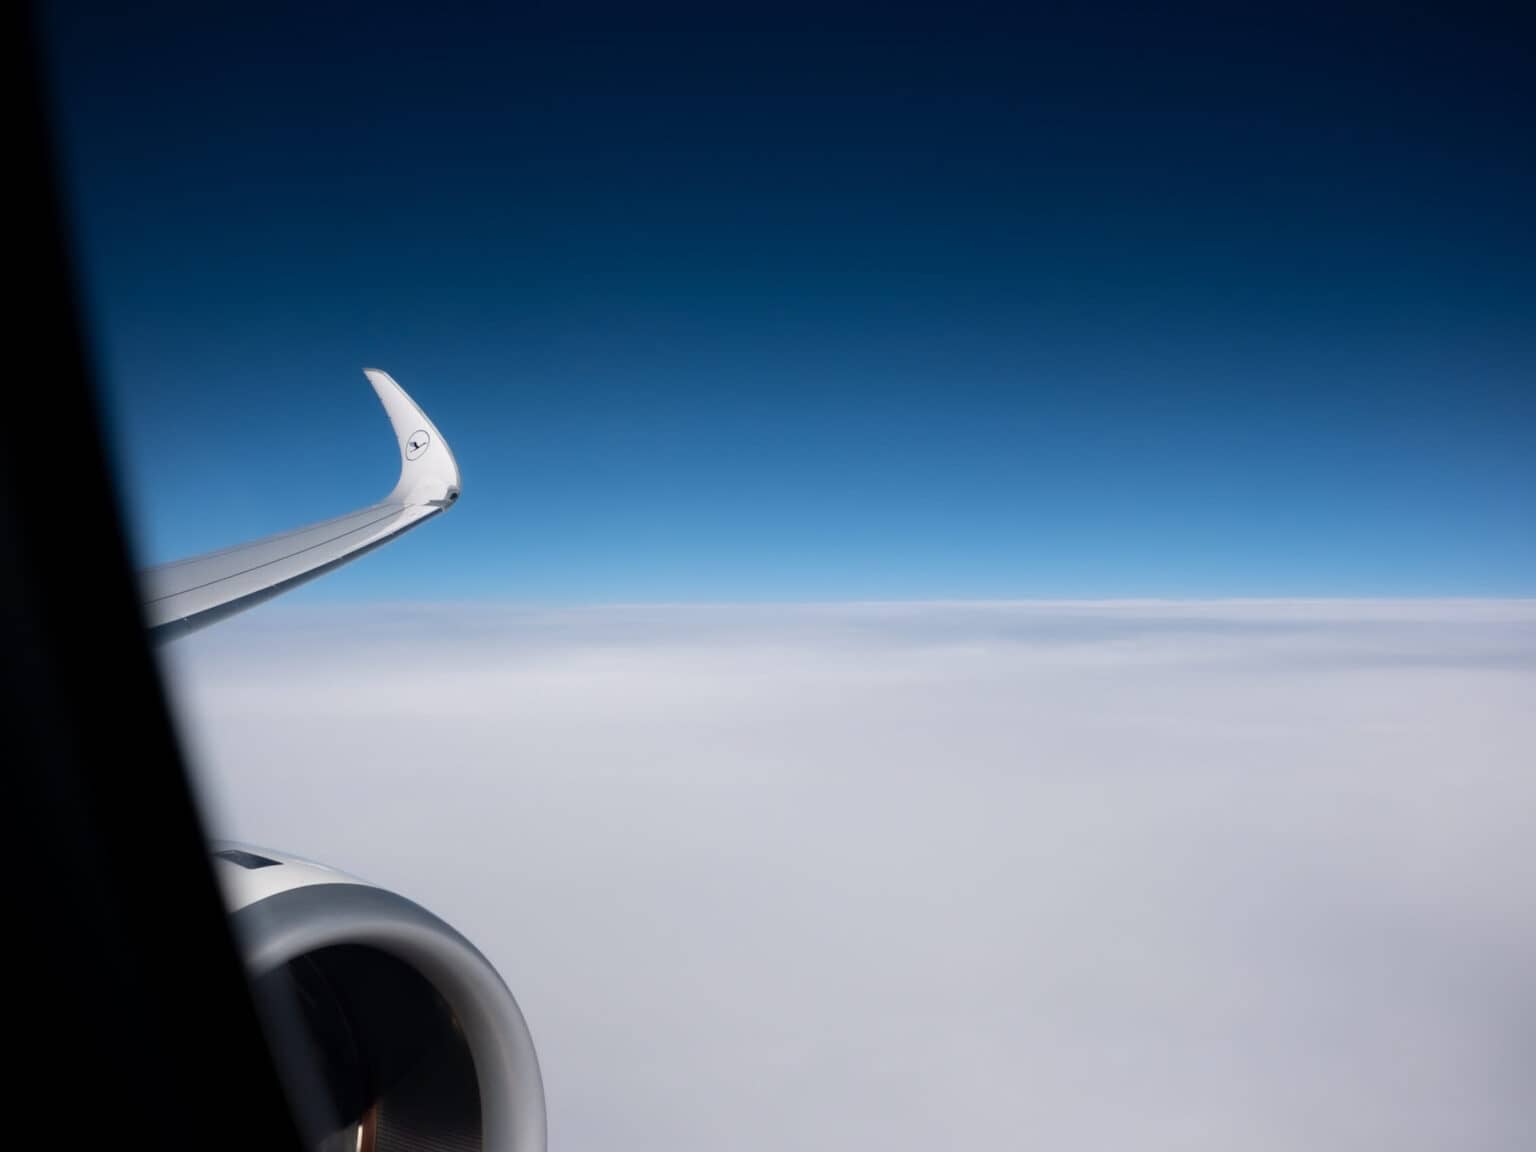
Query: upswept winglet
{"type": "Point", "coordinates": [190, 594]}
{"type": "Point", "coordinates": [428, 472]}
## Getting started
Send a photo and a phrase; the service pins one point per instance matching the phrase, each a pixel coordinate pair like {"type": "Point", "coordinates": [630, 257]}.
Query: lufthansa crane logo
{"type": "Point", "coordinates": [417, 443]}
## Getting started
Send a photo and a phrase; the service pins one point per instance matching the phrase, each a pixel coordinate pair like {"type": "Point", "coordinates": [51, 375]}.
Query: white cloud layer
{"type": "Point", "coordinates": [1234, 875]}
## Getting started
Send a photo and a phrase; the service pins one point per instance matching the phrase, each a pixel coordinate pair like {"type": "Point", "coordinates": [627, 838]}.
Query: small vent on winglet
{"type": "Point", "coordinates": [246, 859]}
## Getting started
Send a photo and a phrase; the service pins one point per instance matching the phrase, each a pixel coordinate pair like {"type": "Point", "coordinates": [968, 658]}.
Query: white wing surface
{"type": "Point", "coordinates": [189, 594]}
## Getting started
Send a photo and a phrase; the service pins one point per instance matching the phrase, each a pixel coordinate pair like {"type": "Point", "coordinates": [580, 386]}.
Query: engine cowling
{"type": "Point", "coordinates": [392, 1032]}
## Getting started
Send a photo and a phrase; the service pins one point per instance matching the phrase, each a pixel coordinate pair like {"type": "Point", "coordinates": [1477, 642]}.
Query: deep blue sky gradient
{"type": "Point", "coordinates": [1221, 302]}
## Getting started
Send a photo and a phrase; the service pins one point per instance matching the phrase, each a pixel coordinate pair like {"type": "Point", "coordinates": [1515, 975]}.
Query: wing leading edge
{"type": "Point", "coordinates": [189, 594]}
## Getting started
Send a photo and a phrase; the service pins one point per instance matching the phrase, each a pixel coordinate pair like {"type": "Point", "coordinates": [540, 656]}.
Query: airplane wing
{"type": "Point", "coordinates": [189, 594]}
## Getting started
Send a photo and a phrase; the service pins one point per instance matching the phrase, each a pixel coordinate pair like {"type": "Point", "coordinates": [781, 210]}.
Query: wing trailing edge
{"type": "Point", "coordinates": [189, 594]}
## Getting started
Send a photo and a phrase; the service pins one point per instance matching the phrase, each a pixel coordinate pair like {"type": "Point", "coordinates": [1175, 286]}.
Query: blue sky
{"type": "Point", "coordinates": [1088, 305]}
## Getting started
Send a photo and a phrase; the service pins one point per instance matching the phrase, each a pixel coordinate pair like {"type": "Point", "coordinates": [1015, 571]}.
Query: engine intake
{"type": "Point", "coordinates": [392, 1031]}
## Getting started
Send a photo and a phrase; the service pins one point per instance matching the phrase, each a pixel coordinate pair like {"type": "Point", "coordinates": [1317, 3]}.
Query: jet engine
{"type": "Point", "coordinates": [391, 1031]}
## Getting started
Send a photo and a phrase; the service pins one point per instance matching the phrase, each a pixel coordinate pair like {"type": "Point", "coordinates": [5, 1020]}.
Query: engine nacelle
{"type": "Point", "coordinates": [391, 1031]}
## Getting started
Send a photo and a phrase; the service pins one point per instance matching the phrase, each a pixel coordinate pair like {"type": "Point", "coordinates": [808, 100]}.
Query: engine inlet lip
{"type": "Point", "coordinates": [286, 925]}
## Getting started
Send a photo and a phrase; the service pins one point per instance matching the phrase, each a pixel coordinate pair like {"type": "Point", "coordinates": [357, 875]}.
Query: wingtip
{"type": "Point", "coordinates": [429, 473]}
